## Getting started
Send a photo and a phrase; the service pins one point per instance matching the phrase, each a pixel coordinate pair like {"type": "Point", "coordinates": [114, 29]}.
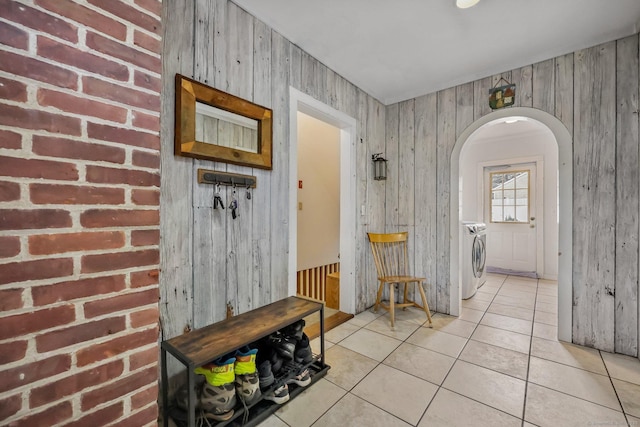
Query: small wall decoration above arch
{"type": "Point", "coordinates": [502, 96]}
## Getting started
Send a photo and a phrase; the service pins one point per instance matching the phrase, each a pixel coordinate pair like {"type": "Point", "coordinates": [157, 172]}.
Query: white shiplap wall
{"type": "Point", "coordinates": [209, 260]}
{"type": "Point", "coordinates": [594, 92]}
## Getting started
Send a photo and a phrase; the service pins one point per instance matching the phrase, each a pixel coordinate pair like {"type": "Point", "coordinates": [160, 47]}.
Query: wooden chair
{"type": "Point", "coordinates": [390, 255]}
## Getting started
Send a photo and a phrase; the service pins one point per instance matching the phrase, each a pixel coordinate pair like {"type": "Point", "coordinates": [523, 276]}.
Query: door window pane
{"type": "Point", "coordinates": [509, 214]}
{"type": "Point", "coordinates": [509, 181]}
{"type": "Point", "coordinates": [521, 213]}
{"type": "Point", "coordinates": [510, 196]}
{"type": "Point", "coordinates": [496, 214]}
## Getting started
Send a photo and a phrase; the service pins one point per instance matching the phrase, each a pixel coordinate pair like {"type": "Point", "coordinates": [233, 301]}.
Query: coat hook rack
{"type": "Point", "coordinates": [226, 178]}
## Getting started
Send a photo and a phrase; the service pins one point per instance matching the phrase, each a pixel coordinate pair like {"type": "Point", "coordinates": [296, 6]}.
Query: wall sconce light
{"type": "Point", "coordinates": [379, 167]}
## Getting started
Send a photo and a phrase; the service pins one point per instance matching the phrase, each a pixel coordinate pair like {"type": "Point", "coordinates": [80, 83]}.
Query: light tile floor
{"type": "Point", "coordinates": [498, 364]}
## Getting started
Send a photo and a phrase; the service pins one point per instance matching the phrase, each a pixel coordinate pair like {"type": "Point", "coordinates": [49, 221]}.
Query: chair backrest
{"type": "Point", "coordinates": [390, 253]}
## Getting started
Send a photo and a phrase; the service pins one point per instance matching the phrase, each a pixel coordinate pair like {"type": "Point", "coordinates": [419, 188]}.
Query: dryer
{"type": "Point", "coordinates": [473, 256]}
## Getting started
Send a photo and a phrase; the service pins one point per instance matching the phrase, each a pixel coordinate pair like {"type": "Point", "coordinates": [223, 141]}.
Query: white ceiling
{"type": "Point", "coordinates": [400, 49]}
{"type": "Point", "coordinates": [511, 128]}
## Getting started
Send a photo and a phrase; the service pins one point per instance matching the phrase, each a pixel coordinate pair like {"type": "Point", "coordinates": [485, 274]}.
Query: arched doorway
{"type": "Point", "coordinates": [565, 194]}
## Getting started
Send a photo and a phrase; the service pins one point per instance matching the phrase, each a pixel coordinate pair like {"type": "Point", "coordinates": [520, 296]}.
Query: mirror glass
{"type": "Point", "coordinates": [215, 125]}
{"type": "Point", "coordinates": [226, 129]}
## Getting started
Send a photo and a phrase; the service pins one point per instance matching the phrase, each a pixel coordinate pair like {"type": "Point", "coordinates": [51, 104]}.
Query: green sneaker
{"type": "Point", "coordinates": [247, 381]}
{"type": "Point", "coordinates": [218, 395]}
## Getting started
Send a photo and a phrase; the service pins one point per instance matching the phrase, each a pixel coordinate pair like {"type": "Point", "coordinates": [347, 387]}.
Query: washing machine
{"type": "Point", "coordinates": [473, 256]}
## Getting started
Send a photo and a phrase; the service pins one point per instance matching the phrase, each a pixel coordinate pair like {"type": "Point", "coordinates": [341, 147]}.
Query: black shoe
{"type": "Point", "coordinates": [275, 360]}
{"type": "Point", "coordinates": [285, 346]}
{"type": "Point", "coordinates": [265, 374]}
{"type": "Point", "coordinates": [295, 330]}
{"type": "Point", "coordinates": [303, 353]}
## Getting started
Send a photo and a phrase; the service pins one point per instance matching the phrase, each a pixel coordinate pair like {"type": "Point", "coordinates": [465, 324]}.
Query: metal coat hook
{"type": "Point", "coordinates": [226, 178]}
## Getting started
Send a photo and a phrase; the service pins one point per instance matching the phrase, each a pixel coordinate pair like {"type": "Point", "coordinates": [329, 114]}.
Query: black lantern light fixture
{"type": "Point", "coordinates": [379, 167]}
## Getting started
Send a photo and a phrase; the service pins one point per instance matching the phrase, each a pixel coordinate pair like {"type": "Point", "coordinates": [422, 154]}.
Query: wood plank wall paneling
{"type": "Point", "coordinates": [464, 107]}
{"type": "Point", "coordinates": [239, 64]}
{"type": "Point", "coordinates": [375, 209]}
{"type": "Point", "coordinates": [281, 70]}
{"type": "Point", "coordinates": [594, 200]}
{"type": "Point", "coordinates": [209, 269]}
{"type": "Point", "coordinates": [406, 168]}
{"type": "Point", "coordinates": [406, 180]}
{"type": "Point", "coordinates": [391, 185]}
{"type": "Point", "coordinates": [205, 255]}
{"type": "Point", "coordinates": [605, 178]}
{"type": "Point", "coordinates": [521, 77]}
{"type": "Point", "coordinates": [295, 64]}
{"type": "Point", "coordinates": [543, 86]}
{"type": "Point", "coordinates": [362, 173]}
{"type": "Point", "coordinates": [480, 94]}
{"type": "Point", "coordinates": [628, 207]}
{"type": "Point", "coordinates": [564, 91]}
{"type": "Point", "coordinates": [425, 191]}
{"type": "Point", "coordinates": [309, 75]}
{"type": "Point", "coordinates": [176, 223]}
{"type": "Point", "coordinates": [261, 200]}
{"type": "Point", "coordinates": [446, 134]}
{"type": "Point", "coordinates": [176, 248]}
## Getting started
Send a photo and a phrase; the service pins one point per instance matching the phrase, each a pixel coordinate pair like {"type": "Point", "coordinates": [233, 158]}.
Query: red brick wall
{"type": "Point", "coordinates": [79, 211]}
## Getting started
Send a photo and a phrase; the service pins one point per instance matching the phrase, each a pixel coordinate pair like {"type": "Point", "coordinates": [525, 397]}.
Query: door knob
{"type": "Point", "coordinates": [533, 218]}
{"type": "Point", "coordinates": [532, 226]}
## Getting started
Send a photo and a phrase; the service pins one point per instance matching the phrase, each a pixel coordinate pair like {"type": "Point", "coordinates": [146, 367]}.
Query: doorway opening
{"type": "Point", "coordinates": [564, 205]}
{"type": "Point", "coordinates": [513, 198]}
{"type": "Point", "coordinates": [318, 242]}
{"type": "Point", "coordinates": [302, 103]}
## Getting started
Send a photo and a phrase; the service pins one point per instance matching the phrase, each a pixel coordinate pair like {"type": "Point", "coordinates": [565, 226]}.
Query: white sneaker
{"type": "Point", "coordinates": [303, 379]}
{"type": "Point", "coordinates": [279, 395]}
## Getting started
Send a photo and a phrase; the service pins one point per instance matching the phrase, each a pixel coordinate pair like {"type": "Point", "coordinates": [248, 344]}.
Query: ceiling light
{"type": "Point", "coordinates": [464, 4]}
{"type": "Point", "coordinates": [515, 119]}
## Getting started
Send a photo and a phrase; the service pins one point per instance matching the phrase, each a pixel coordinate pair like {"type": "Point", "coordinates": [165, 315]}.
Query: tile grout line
{"type": "Point", "coordinates": [346, 391]}
{"type": "Point", "coordinates": [441, 385]}
{"type": "Point", "coordinates": [485, 311]}
{"type": "Point", "coordinates": [614, 388]}
{"type": "Point", "coordinates": [526, 382]}
{"type": "Point", "coordinates": [570, 366]}
{"type": "Point", "coordinates": [362, 379]}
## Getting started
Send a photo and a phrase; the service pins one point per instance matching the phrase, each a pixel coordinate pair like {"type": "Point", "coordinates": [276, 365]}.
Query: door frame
{"type": "Point", "coordinates": [538, 161]}
{"type": "Point", "coordinates": [565, 211]}
{"type": "Point", "coordinates": [301, 102]}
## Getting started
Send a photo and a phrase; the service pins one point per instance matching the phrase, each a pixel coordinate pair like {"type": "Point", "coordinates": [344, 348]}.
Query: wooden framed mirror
{"type": "Point", "coordinates": [214, 125]}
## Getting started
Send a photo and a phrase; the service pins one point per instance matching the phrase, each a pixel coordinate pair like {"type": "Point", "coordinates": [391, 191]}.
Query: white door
{"type": "Point", "coordinates": [510, 215]}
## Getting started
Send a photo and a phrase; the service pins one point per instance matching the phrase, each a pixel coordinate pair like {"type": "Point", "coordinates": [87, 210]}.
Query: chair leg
{"type": "Point", "coordinates": [391, 297]}
{"type": "Point", "coordinates": [425, 305]}
{"type": "Point", "coordinates": [379, 296]}
{"type": "Point", "coordinates": [406, 298]}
